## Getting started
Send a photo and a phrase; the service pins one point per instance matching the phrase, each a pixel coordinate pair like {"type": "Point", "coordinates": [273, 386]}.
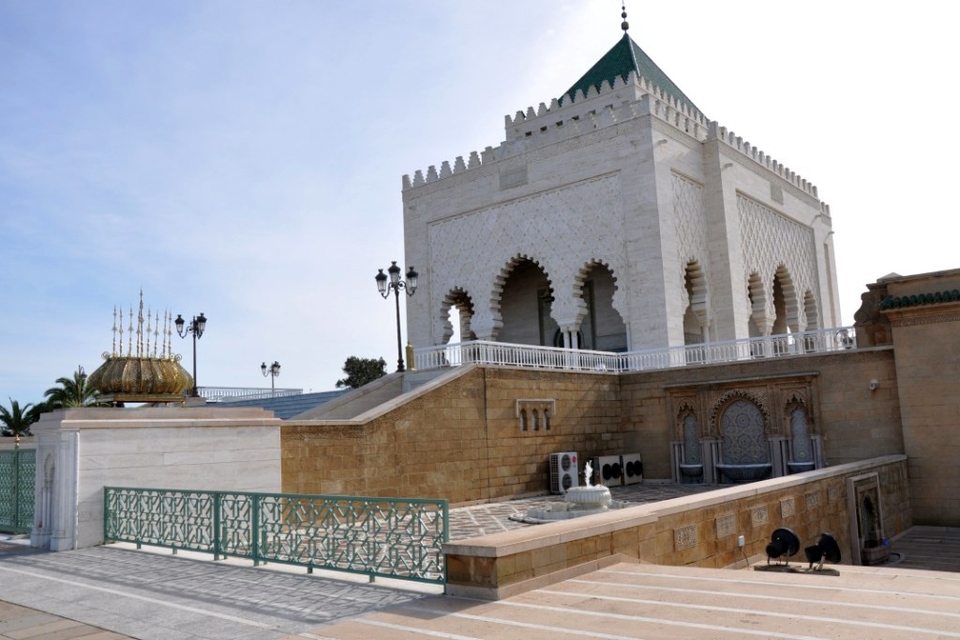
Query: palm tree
{"type": "Point", "coordinates": [72, 392]}
{"type": "Point", "coordinates": [17, 420]}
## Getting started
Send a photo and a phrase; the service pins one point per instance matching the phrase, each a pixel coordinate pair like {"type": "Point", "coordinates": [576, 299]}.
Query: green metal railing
{"type": "Point", "coordinates": [386, 537]}
{"type": "Point", "coordinates": [18, 471]}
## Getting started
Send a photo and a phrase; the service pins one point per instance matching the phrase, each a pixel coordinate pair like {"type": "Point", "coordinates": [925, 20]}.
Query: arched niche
{"type": "Point", "coordinates": [743, 425]}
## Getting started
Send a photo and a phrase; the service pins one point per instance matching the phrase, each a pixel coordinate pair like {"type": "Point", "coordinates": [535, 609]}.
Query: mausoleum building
{"type": "Point", "coordinates": [617, 217]}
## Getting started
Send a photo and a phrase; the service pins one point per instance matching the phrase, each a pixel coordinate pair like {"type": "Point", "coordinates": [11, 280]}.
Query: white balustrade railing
{"type": "Point", "coordinates": [522, 355]}
{"type": "Point", "coordinates": [235, 394]}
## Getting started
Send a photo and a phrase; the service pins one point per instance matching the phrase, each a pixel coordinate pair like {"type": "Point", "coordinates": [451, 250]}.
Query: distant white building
{"type": "Point", "coordinates": [617, 218]}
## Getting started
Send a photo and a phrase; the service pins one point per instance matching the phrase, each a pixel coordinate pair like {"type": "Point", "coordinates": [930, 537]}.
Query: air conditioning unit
{"type": "Point", "coordinates": [563, 471]}
{"type": "Point", "coordinates": [632, 468]}
{"type": "Point", "coordinates": [609, 470]}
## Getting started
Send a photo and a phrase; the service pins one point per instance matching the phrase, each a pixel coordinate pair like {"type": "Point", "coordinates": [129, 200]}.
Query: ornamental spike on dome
{"type": "Point", "coordinates": [624, 25]}
{"type": "Point", "coordinates": [141, 376]}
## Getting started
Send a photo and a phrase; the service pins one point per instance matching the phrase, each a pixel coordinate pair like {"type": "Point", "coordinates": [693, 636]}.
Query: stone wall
{"type": "Point", "coordinates": [697, 530]}
{"type": "Point", "coordinates": [462, 441]}
{"type": "Point", "coordinates": [926, 338]}
{"type": "Point", "coordinates": [855, 422]}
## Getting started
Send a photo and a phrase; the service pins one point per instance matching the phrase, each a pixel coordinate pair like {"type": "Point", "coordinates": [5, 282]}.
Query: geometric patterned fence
{"type": "Point", "coordinates": [388, 537]}
{"type": "Point", "coordinates": [18, 470]}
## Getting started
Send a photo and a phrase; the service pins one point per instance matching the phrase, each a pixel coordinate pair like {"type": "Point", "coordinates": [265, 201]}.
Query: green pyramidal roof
{"type": "Point", "coordinates": [624, 57]}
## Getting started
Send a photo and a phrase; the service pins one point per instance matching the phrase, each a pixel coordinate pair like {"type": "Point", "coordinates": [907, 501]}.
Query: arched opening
{"type": "Point", "coordinates": [695, 315]}
{"type": "Point", "coordinates": [810, 311]}
{"type": "Point", "coordinates": [786, 308]}
{"type": "Point", "coordinates": [456, 313]}
{"type": "Point", "coordinates": [758, 305]}
{"type": "Point", "coordinates": [602, 328]}
{"type": "Point", "coordinates": [779, 308]}
{"type": "Point", "coordinates": [526, 305]}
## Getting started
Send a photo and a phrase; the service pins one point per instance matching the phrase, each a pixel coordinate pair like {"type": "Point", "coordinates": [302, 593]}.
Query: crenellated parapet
{"type": "Point", "coordinates": [572, 116]}
{"type": "Point", "coordinates": [735, 142]}
{"type": "Point", "coordinates": [575, 115]}
{"type": "Point", "coordinates": [599, 107]}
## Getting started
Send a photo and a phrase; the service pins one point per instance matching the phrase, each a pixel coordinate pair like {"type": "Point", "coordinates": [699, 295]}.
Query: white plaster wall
{"type": "Point", "coordinates": [82, 450]}
{"type": "Point", "coordinates": [625, 178]}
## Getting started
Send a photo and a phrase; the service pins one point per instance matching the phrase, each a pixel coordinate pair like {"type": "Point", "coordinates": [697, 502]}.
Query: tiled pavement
{"type": "Point", "coordinates": [484, 519]}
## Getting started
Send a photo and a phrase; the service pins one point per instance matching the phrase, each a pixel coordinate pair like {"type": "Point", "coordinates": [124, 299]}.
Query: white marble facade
{"type": "Point", "coordinates": [622, 219]}
{"type": "Point", "coordinates": [80, 451]}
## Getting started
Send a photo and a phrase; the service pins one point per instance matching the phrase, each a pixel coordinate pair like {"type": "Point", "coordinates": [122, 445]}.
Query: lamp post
{"type": "Point", "coordinates": [393, 282]}
{"type": "Point", "coordinates": [273, 371]}
{"type": "Point", "coordinates": [196, 327]}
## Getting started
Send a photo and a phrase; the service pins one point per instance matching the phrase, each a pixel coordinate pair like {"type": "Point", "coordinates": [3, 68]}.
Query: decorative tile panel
{"type": "Point", "coordinates": [685, 537]}
{"type": "Point", "coordinates": [833, 493]}
{"type": "Point", "coordinates": [726, 526]}
{"type": "Point", "coordinates": [787, 508]}
{"type": "Point", "coordinates": [770, 239]}
{"type": "Point", "coordinates": [759, 516]}
{"type": "Point", "coordinates": [813, 500]}
{"type": "Point", "coordinates": [744, 441]}
{"type": "Point", "coordinates": [690, 218]}
{"type": "Point", "coordinates": [590, 215]}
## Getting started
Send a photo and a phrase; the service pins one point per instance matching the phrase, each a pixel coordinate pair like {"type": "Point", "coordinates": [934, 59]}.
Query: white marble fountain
{"type": "Point", "coordinates": [577, 502]}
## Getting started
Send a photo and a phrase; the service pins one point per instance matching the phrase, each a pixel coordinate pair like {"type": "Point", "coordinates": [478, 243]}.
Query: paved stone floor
{"type": "Point", "coordinates": [484, 519]}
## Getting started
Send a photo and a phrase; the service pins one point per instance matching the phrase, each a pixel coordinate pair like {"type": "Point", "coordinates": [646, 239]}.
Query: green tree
{"type": "Point", "coordinates": [360, 371]}
{"type": "Point", "coordinates": [72, 392]}
{"type": "Point", "coordinates": [17, 420]}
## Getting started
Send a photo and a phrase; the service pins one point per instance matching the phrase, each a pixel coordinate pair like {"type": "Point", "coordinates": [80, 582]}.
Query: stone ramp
{"type": "Point", "coordinates": [381, 393]}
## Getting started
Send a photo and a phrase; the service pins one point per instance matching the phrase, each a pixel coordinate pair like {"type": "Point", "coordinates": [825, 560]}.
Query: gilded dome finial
{"type": "Point", "coordinates": [149, 372]}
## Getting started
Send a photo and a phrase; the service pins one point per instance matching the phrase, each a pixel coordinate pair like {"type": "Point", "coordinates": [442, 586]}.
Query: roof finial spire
{"type": "Point", "coordinates": [625, 25]}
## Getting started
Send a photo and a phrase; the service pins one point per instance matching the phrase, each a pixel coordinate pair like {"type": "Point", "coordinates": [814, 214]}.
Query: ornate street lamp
{"type": "Point", "coordinates": [393, 282]}
{"type": "Point", "coordinates": [196, 327]}
{"type": "Point", "coordinates": [273, 371]}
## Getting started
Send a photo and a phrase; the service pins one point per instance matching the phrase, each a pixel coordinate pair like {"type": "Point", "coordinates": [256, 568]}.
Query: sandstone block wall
{"type": "Point", "coordinates": [855, 422]}
{"type": "Point", "coordinates": [698, 530]}
{"type": "Point", "coordinates": [928, 374]}
{"type": "Point", "coordinates": [462, 441]}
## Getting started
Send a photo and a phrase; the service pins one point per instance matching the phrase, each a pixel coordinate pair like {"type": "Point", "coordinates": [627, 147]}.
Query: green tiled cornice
{"type": "Point", "coordinates": [891, 302]}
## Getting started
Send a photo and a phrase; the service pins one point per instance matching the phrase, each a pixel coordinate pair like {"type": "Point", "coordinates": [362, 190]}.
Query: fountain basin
{"type": "Point", "coordinates": [692, 472]}
{"type": "Point", "coordinates": [577, 502]}
{"type": "Point", "coordinates": [739, 473]}
{"type": "Point", "coordinates": [591, 498]}
{"type": "Point", "coordinates": [800, 467]}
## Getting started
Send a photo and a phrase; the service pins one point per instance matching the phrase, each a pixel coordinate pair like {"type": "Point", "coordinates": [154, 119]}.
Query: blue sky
{"type": "Point", "coordinates": [244, 159]}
